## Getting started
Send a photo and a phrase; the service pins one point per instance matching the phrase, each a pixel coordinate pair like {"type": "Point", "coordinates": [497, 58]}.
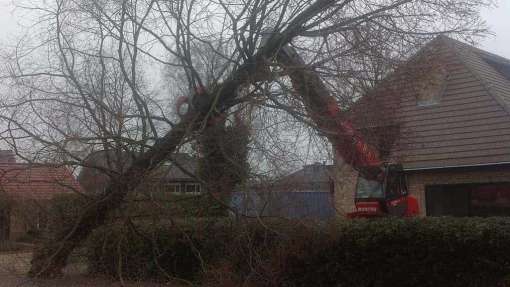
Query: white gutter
{"type": "Point", "coordinates": [455, 166]}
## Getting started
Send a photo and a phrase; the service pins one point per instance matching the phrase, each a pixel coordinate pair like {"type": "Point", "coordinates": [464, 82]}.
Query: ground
{"type": "Point", "coordinates": [14, 266]}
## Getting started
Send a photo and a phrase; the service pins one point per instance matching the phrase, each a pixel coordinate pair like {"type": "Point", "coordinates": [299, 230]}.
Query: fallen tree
{"type": "Point", "coordinates": [49, 260]}
{"type": "Point", "coordinates": [92, 90]}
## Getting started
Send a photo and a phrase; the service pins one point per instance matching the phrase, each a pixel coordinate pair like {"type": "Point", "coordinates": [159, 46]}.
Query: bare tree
{"type": "Point", "coordinates": [86, 74]}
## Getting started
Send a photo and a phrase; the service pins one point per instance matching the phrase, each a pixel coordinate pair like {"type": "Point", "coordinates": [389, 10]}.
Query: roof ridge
{"type": "Point", "coordinates": [475, 49]}
{"type": "Point", "coordinates": [466, 54]}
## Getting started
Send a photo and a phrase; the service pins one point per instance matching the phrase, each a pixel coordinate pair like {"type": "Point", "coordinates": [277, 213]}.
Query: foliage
{"type": "Point", "coordinates": [224, 161]}
{"type": "Point", "coordinates": [177, 205]}
{"type": "Point", "coordinates": [154, 252]}
{"type": "Point", "coordinates": [64, 210]}
{"type": "Point", "coordinates": [418, 252]}
{"type": "Point", "coordinates": [388, 252]}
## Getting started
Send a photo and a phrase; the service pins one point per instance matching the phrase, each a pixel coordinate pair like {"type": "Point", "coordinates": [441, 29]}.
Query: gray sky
{"type": "Point", "coordinates": [7, 21]}
{"type": "Point", "coordinates": [498, 20]}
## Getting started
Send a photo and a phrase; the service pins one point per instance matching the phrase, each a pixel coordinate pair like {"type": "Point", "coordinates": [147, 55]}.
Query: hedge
{"type": "Point", "coordinates": [359, 253]}
{"type": "Point", "coordinates": [65, 209]}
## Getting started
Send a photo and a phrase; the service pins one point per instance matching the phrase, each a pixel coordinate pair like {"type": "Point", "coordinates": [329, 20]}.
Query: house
{"type": "Point", "coordinates": [315, 177]}
{"type": "Point", "coordinates": [304, 194]}
{"type": "Point", "coordinates": [445, 116]}
{"type": "Point", "coordinates": [25, 189]}
{"type": "Point", "coordinates": [175, 176]}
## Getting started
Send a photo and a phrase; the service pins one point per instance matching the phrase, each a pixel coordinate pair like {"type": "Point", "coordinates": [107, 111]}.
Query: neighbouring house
{"type": "Point", "coordinates": [25, 191]}
{"type": "Point", "coordinates": [303, 194]}
{"type": "Point", "coordinates": [178, 175]}
{"type": "Point", "coordinates": [171, 190]}
{"type": "Point", "coordinates": [174, 176]}
{"type": "Point", "coordinates": [316, 177]}
{"type": "Point", "coordinates": [445, 115]}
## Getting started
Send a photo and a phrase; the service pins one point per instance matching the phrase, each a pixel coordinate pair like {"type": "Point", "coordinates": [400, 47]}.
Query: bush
{"type": "Point", "coordinates": [417, 252]}
{"type": "Point", "coordinates": [64, 210]}
{"type": "Point", "coordinates": [388, 252]}
{"type": "Point", "coordinates": [174, 205]}
{"type": "Point", "coordinates": [149, 252]}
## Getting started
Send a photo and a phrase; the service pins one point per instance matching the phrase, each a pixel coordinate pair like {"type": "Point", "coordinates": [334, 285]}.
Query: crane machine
{"type": "Point", "coordinates": [381, 188]}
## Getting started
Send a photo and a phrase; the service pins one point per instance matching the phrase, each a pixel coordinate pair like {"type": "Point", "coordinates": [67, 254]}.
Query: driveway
{"type": "Point", "coordinates": [14, 266]}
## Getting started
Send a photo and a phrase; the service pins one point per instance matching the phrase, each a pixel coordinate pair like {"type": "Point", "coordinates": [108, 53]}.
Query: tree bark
{"type": "Point", "coordinates": [50, 259]}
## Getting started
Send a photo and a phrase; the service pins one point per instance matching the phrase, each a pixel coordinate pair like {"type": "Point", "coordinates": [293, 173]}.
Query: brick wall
{"type": "Point", "coordinates": [345, 182]}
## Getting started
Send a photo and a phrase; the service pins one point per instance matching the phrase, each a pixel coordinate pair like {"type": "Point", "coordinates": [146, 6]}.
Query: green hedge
{"type": "Point", "coordinates": [184, 250]}
{"type": "Point", "coordinates": [419, 252]}
{"type": "Point", "coordinates": [65, 209]}
{"type": "Point", "coordinates": [389, 252]}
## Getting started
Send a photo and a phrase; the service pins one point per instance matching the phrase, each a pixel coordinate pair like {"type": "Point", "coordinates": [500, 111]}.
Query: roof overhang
{"type": "Point", "coordinates": [457, 166]}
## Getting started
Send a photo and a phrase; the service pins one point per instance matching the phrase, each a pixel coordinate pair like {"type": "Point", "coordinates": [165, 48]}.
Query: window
{"type": "Point", "coordinates": [490, 199]}
{"type": "Point", "coordinates": [179, 187]}
{"type": "Point", "coordinates": [431, 86]}
{"type": "Point", "coordinates": [192, 188]}
{"type": "Point", "coordinates": [368, 188]}
{"type": "Point", "coordinates": [447, 200]}
{"type": "Point", "coordinates": [173, 187]}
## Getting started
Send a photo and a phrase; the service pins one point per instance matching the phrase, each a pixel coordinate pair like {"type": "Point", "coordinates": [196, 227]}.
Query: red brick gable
{"type": "Point", "coordinates": [36, 182]}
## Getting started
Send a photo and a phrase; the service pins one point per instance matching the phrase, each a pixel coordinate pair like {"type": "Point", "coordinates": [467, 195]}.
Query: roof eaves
{"type": "Point", "coordinates": [410, 169]}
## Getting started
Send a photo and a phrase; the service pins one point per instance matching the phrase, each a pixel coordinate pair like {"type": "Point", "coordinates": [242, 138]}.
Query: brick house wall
{"type": "Point", "coordinates": [345, 182]}
{"type": "Point", "coordinates": [345, 185]}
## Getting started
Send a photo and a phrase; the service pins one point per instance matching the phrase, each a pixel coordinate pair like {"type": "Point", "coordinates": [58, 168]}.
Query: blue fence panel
{"type": "Point", "coordinates": [292, 205]}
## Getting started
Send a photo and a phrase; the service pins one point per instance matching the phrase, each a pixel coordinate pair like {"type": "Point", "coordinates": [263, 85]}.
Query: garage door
{"type": "Point", "coordinates": [468, 200]}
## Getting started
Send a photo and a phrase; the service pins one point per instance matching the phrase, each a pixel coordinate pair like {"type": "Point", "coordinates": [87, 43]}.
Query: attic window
{"type": "Point", "coordinates": [430, 87]}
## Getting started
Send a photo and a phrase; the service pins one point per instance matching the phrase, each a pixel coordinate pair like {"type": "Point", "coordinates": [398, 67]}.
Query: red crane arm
{"type": "Point", "coordinates": [323, 109]}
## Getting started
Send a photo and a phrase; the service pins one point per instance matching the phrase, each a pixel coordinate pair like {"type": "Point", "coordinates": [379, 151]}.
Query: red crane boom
{"type": "Point", "coordinates": [348, 142]}
{"type": "Point", "coordinates": [381, 188]}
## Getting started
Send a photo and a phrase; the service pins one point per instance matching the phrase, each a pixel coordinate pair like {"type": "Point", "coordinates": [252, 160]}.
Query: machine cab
{"type": "Point", "coordinates": [380, 193]}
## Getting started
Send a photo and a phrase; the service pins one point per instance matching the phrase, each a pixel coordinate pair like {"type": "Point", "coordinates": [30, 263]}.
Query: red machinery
{"type": "Point", "coordinates": [385, 195]}
{"type": "Point", "coordinates": [381, 188]}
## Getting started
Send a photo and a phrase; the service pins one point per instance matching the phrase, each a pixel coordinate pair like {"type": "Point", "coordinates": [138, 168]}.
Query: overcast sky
{"type": "Point", "coordinates": [498, 20]}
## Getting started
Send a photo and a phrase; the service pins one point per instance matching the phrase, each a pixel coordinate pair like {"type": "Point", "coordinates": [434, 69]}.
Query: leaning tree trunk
{"type": "Point", "coordinates": [50, 259]}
